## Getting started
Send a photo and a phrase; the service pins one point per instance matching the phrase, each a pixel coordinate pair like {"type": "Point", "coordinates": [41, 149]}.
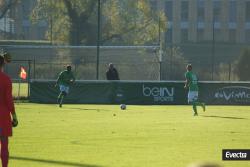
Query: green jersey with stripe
{"type": "Point", "coordinates": [65, 78]}
{"type": "Point", "coordinates": [192, 81]}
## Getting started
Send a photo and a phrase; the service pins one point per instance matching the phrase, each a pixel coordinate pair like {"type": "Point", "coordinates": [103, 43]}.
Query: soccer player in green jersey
{"type": "Point", "coordinates": [64, 80]}
{"type": "Point", "coordinates": [192, 84]}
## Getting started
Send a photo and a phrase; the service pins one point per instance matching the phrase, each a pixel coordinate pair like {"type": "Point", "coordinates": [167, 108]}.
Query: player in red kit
{"type": "Point", "coordinates": [7, 111]}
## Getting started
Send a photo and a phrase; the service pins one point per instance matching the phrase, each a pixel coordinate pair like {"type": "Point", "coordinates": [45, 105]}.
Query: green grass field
{"type": "Point", "coordinates": [23, 89]}
{"type": "Point", "coordinates": [141, 136]}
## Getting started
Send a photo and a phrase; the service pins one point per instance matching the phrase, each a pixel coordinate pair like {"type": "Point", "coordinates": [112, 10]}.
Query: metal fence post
{"type": "Point", "coordinates": [229, 72]}
{"type": "Point", "coordinates": [29, 72]}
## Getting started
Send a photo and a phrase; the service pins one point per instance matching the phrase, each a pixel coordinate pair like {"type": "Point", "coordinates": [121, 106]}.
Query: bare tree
{"type": "Point", "coordinates": [5, 5]}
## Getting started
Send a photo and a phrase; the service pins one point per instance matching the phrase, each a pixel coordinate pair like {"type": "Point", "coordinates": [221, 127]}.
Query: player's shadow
{"type": "Point", "coordinates": [214, 116]}
{"type": "Point", "coordinates": [86, 109]}
{"type": "Point", "coordinates": [55, 162]}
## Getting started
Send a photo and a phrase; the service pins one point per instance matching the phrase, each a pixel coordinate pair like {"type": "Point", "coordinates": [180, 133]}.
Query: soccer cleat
{"type": "Point", "coordinates": [203, 107]}
{"type": "Point", "coordinates": [61, 102]}
{"type": "Point", "coordinates": [195, 114]}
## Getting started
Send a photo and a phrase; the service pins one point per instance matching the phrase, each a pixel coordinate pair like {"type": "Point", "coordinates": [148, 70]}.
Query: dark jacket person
{"type": "Point", "coordinates": [112, 73]}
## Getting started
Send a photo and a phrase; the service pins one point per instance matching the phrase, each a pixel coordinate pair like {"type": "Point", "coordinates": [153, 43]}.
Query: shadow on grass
{"type": "Point", "coordinates": [86, 109]}
{"type": "Point", "coordinates": [73, 164]}
{"type": "Point", "coordinates": [213, 116]}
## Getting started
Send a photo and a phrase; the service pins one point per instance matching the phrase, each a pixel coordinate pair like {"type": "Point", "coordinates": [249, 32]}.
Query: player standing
{"type": "Point", "coordinates": [192, 84]}
{"type": "Point", "coordinates": [8, 116]}
{"type": "Point", "coordinates": [65, 79]}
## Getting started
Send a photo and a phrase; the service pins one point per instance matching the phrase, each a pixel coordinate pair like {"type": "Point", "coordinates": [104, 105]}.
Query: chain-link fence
{"type": "Point", "coordinates": [210, 35]}
{"type": "Point", "coordinates": [132, 62]}
{"type": "Point", "coordinates": [211, 63]}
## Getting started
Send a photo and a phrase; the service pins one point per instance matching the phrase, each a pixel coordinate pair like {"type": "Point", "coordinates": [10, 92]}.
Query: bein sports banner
{"type": "Point", "coordinates": [134, 92]}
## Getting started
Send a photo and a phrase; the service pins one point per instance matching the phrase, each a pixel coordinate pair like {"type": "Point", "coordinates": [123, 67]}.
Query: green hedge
{"type": "Point", "coordinates": [24, 42]}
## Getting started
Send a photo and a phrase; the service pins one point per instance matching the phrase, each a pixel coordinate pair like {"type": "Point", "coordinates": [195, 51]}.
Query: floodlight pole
{"type": "Point", "coordinates": [213, 48]}
{"type": "Point", "coordinates": [98, 39]}
{"type": "Point", "coordinates": [159, 42]}
{"type": "Point", "coordinates": [51, 24]}
{"type": "Point", "coordinates": [51, 30]}
{"type": "Point", "coordinates": [160, 61]}
{"type": "Point", "coordinates": [160, 47]}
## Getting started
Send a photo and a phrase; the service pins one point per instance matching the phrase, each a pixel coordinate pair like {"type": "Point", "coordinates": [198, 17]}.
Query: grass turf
{"type": "Point", "coordinates": [141, 136]}
{"type": "Point", "coordinates": [23, 89]}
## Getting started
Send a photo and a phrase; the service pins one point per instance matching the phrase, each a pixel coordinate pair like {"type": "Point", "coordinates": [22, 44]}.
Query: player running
{"type": "Point", "coordinates": [65, 79]}
{"type": "Point", "coordinates": [8, 116]}
{"type": "Point", "coordinates": [192, 84]}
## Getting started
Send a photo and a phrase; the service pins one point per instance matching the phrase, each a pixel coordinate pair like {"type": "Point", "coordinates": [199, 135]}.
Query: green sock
{"type": "Point", "coordinates": [61, 101]}
{"type": "Point", "coordinates": [59, 96]}
{"type": "Point", "coordinates": [195, 108]}
{"type": "Point", "coordinates": [199, 103]}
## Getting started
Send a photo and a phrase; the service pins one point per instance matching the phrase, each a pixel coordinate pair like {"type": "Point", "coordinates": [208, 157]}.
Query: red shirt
{"type": "Point", "coordinates": [6, 105]}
